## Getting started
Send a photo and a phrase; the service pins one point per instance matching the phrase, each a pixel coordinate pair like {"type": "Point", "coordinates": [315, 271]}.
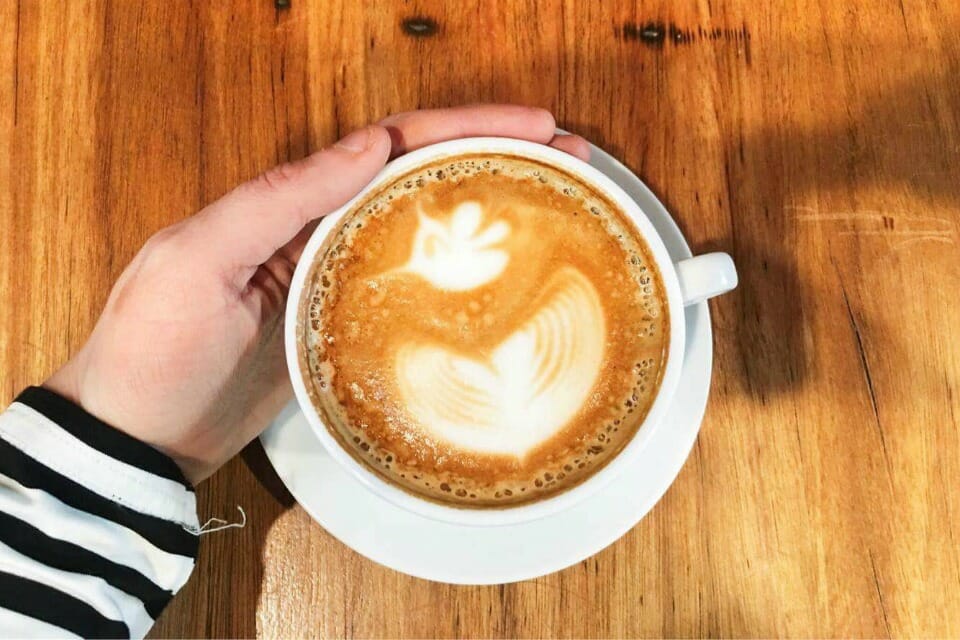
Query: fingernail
{"type": "Point", "coordinates": [357, 141]}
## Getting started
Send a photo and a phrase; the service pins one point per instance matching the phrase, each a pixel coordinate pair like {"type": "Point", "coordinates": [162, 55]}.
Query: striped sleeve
{"type": "Point", "coordinates": [97, 529]}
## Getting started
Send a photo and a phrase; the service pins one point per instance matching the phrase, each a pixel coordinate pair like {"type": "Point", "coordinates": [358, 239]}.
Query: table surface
{"type": "Point", "coordinates": [818, 143]}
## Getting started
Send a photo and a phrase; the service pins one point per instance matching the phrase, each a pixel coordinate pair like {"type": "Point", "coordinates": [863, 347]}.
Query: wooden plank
{"type": "Point", "coordinates": [817, 143]}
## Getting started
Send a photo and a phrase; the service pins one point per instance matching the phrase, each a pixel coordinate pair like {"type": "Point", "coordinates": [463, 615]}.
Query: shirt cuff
{"type": "Point", "coordinates": [80, 447]}
{"type": "Point", "coordinates": [92, 521]}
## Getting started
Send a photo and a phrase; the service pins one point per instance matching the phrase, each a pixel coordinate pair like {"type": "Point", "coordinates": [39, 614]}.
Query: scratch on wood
{"type": "Point", "coordinates": [866, 368]}
{"type": "Point", "coordinates": [903, 14]}
{"type": "Point", "coordinates": [507, 616]}
{"type": "Point", "coordinates": [879, 224]}
{"type": "Point", "coordinates": [305, 107]}
{"type": "Point", "coordinates": [796, 428]}
{"type": "Point", "coordinates": [947, 485]}
{"type": "Point", "coordinates": [876, 583]}
{"type": "Point", "coordinates": [286, 103]}
{"type": "Point", "coordinates": [273, 104]}
{"type": "Point", "coordinates": [863, 357]}
{"type": "Point", "coordinates": [826, 40]}
{"type": "Point", "coordinates": [703, 484]}
{"type": "Point", "coordinates": [336, 113]}
{"type": "Point", "coordinates": [891, 232]}
{"type": "Point", "coordinates": [200, 98]}
{"type": "Point", "coordinates": [813, 214]}
{"type": "Point", "coordinates": [16, 66]}
{"type": "Point", "coordinates": [748, 55]}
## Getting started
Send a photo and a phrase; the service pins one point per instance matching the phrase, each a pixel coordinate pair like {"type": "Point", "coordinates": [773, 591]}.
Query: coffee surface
{"type": "Point", "coordinates": [484, 331]}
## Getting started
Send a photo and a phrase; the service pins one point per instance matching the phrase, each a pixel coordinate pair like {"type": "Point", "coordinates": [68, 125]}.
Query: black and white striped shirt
{"type": "Point", "coordinates": [97, 529]}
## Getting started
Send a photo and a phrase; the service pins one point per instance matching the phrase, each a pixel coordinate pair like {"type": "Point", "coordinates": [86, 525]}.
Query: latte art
{"type": "Point", "coordinates": [459, 255]}
{"type": "Point", "coordinates": [528, 389]}
{"type": "Point", "coordinates": [486, 331]}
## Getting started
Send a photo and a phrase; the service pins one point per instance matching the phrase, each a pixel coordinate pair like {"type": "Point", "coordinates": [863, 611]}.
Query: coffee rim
{"type": "Point", "coordinates": [506, 515]}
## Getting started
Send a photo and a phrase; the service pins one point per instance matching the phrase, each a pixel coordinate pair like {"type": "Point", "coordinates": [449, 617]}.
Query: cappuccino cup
{"type": "Point", "coordinates": [490, 332]}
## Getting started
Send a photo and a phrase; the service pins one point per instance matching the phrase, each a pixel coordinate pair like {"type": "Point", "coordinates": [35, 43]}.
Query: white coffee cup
{"type": "Point", "coordinates": [687, 282]}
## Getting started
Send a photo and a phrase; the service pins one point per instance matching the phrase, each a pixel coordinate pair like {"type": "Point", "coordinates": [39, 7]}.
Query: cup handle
{"type": "Point", "coordinates": [705, 276]}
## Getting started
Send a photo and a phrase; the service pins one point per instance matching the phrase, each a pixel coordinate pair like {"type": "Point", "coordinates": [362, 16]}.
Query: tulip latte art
{"type": "Point", "coordinates": [485, 331]}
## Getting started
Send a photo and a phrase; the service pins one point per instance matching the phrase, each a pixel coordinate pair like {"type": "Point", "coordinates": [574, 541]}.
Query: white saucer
{"type": "Point", "coordinates": [456, 554]}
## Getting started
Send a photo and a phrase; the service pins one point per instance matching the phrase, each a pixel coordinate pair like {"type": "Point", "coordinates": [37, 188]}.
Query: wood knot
{"type": "Point", "coordinates": [420, 26]}
{"type": "Point", "coordinates": [651, 34]}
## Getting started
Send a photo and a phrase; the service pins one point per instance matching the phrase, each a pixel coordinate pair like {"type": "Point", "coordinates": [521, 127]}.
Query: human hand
{"type": "Point", "coordinates": [187, 355]}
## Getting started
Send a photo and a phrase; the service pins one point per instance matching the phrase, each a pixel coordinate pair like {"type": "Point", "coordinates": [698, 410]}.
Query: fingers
{"type": "Point", "coordinates": [247, 226]}
{"type": "Point", "coordinates": [414, 129]}
{"type": "Point", "coordinates": [482, 119]}
{"type": "Point", "coordinates": [250, 224]}
{"type": "Point", "coordinates": [572, 144]}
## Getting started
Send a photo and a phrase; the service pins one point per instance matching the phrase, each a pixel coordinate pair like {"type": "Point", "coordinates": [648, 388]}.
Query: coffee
{"type": "Point", "coordinates": [485, 331]}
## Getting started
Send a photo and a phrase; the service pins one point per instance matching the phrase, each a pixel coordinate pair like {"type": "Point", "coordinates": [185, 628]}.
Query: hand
{"type": "Point", "coordinates": [187, 355]}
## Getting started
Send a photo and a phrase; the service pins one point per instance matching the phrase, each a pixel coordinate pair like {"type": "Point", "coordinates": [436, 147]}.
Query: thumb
{"type": "Point", "coordinates": [243, 229]}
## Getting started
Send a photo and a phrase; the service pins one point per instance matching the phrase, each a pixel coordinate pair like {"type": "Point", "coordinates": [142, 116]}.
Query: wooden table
{"type": "Point", "coordinates": [818, 143]}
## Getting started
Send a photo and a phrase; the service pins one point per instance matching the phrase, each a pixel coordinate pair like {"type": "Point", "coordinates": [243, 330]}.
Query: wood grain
{"type": "Point", "coordinates": [819, 143]}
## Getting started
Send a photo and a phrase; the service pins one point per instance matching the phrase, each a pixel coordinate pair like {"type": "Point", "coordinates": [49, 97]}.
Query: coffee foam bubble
{"type": "Point", "coordinates": [484, 332]}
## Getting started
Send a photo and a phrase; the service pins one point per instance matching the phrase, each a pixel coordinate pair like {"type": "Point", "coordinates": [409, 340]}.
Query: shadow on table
{"type": "Point", "coordinates": [259, 465]}
{"type": "Point", "coordinates": [895, 143]}
{"type": "Point", "coordinates": [778, 175]}
{"type": "Point", "coordinates": [221, 599]}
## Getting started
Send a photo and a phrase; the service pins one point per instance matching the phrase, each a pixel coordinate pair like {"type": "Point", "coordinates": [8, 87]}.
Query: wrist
{"type": "Point", "coordinates": [64, 382]}
{"type": "Point", "coordinates": [67, 383]}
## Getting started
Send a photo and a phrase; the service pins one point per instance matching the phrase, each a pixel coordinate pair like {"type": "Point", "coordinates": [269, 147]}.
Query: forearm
{"type": "Point", "coordinates": [97, 530]}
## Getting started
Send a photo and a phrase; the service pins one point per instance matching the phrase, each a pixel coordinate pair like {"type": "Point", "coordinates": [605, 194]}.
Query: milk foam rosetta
{"type": "Point", "coordinates": [531, 385]}
{"type": "Point", "coordinates": [485, 331]}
